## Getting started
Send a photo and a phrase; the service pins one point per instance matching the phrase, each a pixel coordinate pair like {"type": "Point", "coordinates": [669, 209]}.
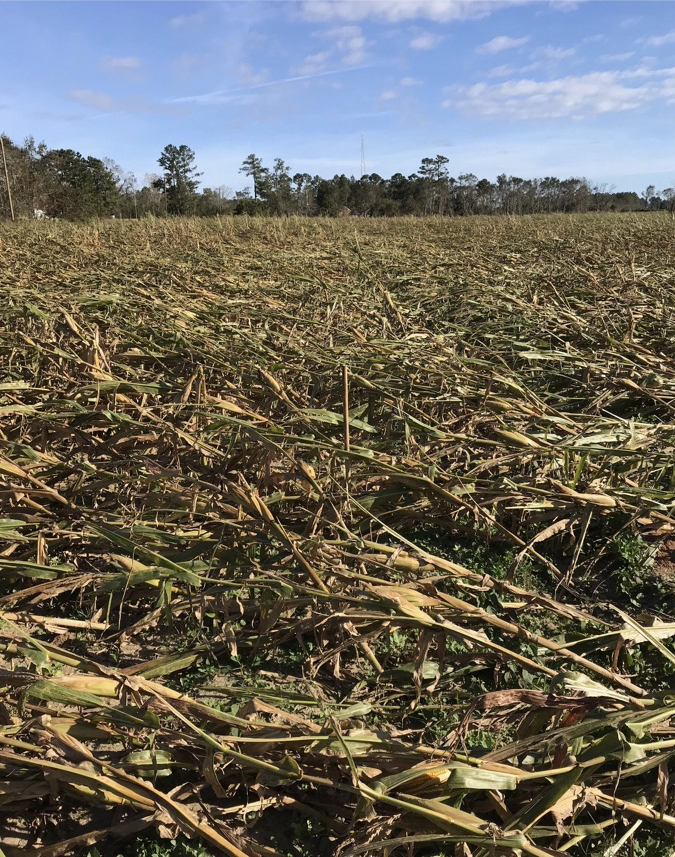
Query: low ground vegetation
{"type": "Point", "coordinates": [337, 537]}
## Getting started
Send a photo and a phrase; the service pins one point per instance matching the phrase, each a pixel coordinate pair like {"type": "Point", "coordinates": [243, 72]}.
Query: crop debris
{"type": "Point", "coordinates": [345, 536]}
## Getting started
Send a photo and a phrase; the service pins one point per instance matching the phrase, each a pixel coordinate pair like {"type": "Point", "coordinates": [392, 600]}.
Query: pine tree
{"type": "Point", "coordinates": [180, 179]}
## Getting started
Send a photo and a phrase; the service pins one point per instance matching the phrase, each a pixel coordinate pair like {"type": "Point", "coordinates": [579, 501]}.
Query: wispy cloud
{"type": "Point", "coordinates": [388, 95]}
{"type": "Point", "coordinates": [574, 96]}
{"type": "Point", "coordinates": [347, 45]}
{"type": "Point", "coordinates": [249, 76]}
{"type": "Point", "coordinates": [658, 41]}
{"type": "Point", "coordinates": [194, 19]}
{"type": "Point", "coordinates": [350, 42]}
{"type": "Point", "coordinates": [617, 57]}
{"type": "Point", "coordinates": [545, 56]}
{"type": "Point", "coordinates": [501, 43]}
{"type": "Point", "coordinates": [107, 104]}
{"type": "Point", "coordinates": [121, 63]}
{"type": "Point", "coordinates": [425, 41]}
{"type": "Point", "coordinates": [314, 63]}
{"type": "Point", "coordinates": [403, 10]}
{"type": "Point", "coordinates": [504, 70]}
{"type": "Point", "coordinates": [89, 98]}
{"type": "Point", "coordinates": [188, 63]}
{"type": "Point", "coordinates": [549, 53]}
{"type": "Point", "coordinates": [410, 81]}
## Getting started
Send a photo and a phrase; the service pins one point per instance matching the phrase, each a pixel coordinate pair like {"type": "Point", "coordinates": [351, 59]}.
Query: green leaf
{"type": "Point", "coordinates": [322, 415]}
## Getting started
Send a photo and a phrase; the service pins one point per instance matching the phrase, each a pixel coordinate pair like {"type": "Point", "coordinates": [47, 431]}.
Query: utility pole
{"type": "Point", "coordinates": [363, 155]}
{"type": "Point", "coordinates": [4, 161]}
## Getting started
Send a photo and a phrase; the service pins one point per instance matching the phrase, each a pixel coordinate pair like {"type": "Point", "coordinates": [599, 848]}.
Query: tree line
{"type": "Point", "coordinates": [66, 184]}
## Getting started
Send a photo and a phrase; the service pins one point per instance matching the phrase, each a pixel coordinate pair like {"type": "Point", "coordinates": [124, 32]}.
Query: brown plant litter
{"type": "Point", "coordinates": [220, 605]}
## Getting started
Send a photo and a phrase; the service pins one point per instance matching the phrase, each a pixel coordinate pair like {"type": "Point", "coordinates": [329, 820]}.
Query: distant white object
{"type": "Point", "coordinates": [39, 214]}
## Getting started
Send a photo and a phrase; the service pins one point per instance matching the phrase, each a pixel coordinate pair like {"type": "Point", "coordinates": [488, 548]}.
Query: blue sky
{"type": "Point", "coordinates": [526, 87]}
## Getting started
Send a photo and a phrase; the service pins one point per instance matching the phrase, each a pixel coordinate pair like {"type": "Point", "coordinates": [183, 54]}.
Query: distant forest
{"type": "Point", "coordinates": [65, 184]}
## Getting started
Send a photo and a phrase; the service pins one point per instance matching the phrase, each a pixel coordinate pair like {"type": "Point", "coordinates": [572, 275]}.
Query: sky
{"type": "Point", "coordinates": [524, 87]}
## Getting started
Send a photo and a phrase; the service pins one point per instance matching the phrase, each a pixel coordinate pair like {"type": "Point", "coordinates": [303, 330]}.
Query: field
{"type": "Point", "coordinates": [338, 537]}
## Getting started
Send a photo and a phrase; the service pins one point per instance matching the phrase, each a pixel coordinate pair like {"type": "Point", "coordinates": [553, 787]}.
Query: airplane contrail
{"type": "Point", "coordinates": [220, 92]}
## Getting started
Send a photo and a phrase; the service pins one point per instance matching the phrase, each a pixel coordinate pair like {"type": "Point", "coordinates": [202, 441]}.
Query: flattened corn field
{"type": "Point", "coordinates": [252, 598]}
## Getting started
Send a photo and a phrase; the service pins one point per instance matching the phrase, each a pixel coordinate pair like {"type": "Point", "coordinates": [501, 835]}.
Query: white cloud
{"type": "Point", "coordinates": [348, 46]}
{"type": "Point", "coordinates": [402, 10]}
{"type": "Point", "coordinates": [89, 98]}
{"type": "Point", "coordinates": [547, 53]}
{"type": "Point", "coordinates": [192, 20]}
{"type": "Point", "coordinates": [541, 57]}
{"type": "Point", "coordinates": [617, 57]}
{"type": "Point", "coordinates": [121, 63]}
{"type": "Point", "coordinates": [410, 81]}
{"type": "Point", "coordinates": [350, 41]}
{"type": "Point", "coordinates": [665, 39]}
{"type": "Point", "coordinates": [573, 96]}
{"type": "Point", "coordinates": [501, 43]}
{"type": "Point", "coordinates": [248, 76]}
{"type": "Point", "coordinates": [425, 41]}
{"type": "Point", "coordinates": [503, 70]}
{"type": "Point", "coordinates": [314, 63]}
{"type": "Point", "coordinates": [187, 63]}
{"type": "Point", "coordinates": [388, 95]}
{"type": "Point", "coordinates": [107, 104]}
